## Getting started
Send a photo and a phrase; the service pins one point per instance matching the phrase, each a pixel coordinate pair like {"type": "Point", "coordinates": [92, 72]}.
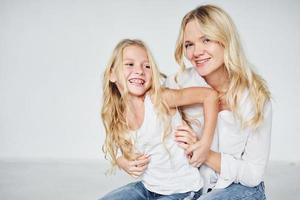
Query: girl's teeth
{"type": "Point", "coordinates": [138, 81]}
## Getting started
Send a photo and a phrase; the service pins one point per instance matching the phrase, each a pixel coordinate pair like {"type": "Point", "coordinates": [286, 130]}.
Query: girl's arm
{"type": "Point", "coordinates": [209, 98]}
{"type": "Point", "coordinates": [191, 95]}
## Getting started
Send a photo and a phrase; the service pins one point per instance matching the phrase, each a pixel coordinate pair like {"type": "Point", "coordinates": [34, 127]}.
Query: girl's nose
{"type": "Point", "coordinates": [139, 69]}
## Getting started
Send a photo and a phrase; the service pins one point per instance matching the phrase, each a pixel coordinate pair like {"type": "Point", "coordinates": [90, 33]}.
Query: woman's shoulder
{"type": "Point", "coordinates": [247, 106]}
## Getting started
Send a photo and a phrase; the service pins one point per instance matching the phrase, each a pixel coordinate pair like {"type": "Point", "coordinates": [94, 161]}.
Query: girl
{"type": "Point", "coordinates": [137, 114]}
{"type": "Point", "coordinates": [209, 40]}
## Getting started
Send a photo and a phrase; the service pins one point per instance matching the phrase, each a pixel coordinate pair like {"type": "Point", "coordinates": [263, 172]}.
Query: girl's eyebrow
{"type": "Point", "coordinates": [127, 59]}
{"type": "Point", "coordinates": [130, 60]}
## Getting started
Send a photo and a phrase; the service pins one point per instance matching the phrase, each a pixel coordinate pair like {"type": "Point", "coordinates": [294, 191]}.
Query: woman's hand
{"type": "Point", "coordinates": [195, 149]}
{"type": "Point", "coordinates": [185, 136]}
{"type": "Point", "coordinates": [199, 152]}
{"type": "Point", "coordinates": [134, 168]}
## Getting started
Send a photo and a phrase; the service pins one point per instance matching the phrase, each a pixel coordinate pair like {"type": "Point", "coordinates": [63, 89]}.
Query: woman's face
{"type": "Point", "coordinates": [206, 56]}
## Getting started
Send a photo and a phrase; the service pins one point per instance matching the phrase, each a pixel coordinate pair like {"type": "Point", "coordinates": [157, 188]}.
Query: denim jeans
{"type": "Point", "coordinates": [137, 191]}
{"type": "Point", "coordinates": [236, 191]}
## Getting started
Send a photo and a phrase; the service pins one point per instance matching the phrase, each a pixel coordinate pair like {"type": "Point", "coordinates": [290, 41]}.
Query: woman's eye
{"type": "Point", "coordinates": [206, 40]}
{"type": "Point", "coordinates": [147, 66]}
{"type": "Point", "coordinates": [129, 64]}
{"type": "Point", "coordinates": [187, 45]}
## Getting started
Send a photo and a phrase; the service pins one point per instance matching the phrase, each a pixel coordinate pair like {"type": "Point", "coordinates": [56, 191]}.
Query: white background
{"type": "Point", "coordinates": [52, 56]}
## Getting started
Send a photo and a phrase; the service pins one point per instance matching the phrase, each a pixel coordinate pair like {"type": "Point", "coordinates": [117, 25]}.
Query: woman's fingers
{"type": "Point", "coordinates": [187, 129]}
{"type": "Point", "coordinates": [184, 139]}
{"type": "Point", "coordinates": [138, 166]}
{"type": "Point", "coordinates": [138, 169]}
{"type": "Point", "coordinates": [183, 145]}
{"type": "Point", "coordinates": [141, 161]}
{"type": "Point", "coordinates": [185, 135]}
{"type": "Point", "coordinates": [190, 149]}
{"type": "Point", "coordinates": [143, 157]}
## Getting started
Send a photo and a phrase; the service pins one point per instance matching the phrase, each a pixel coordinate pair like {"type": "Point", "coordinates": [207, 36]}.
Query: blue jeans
{"type": "Point", "coordinates": [137, 191]}
{"type": "Point", "coordinates": [236, 191]}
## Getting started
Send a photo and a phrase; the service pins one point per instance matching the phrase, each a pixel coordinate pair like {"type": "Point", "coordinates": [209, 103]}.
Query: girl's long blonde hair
{"type": "Point", "coordinates": [114, 103]}
{"type": "Point", "coordinates": [217, 25]}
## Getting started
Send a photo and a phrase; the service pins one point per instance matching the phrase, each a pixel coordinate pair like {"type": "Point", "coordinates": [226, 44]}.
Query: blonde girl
{"type": "Point", "coordinates": [139, 117]}
{"type": "Point", "coordinates": [208, 39]}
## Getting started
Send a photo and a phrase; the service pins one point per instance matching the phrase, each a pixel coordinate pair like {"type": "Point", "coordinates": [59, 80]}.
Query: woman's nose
{"type": "Point", "coordinates": [198, 50]}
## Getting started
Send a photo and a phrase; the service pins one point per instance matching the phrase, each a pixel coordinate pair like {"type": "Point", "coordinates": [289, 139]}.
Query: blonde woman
{"type": "Point", "coordinates": [139, 116]}
{"type": "Point", "coordinates": [209, 40]}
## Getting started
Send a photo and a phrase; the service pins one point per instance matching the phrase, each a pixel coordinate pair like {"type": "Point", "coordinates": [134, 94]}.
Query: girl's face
{"type": "Point", "coordinates": [206, 56]}
{"type": "Point", "coordinates": [137, 71]}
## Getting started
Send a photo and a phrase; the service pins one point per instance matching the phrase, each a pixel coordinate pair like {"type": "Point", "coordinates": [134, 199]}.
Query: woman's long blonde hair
{"type": "Point", "coordinates": [114, 103]}
{"type": "Point", "coordinates": [217, 25]}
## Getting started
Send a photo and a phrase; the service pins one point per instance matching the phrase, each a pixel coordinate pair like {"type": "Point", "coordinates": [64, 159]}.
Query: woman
{"type": "Point", "coordinates": [209, 40]}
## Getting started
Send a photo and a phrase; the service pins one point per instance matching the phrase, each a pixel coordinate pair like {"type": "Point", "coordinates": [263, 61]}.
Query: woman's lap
{"type": "Point", "coordinates": [236, 191]}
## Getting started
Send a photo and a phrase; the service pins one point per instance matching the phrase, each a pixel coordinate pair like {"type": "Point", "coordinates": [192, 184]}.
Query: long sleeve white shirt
{"type": "Point", "coordinates": [244, 152]}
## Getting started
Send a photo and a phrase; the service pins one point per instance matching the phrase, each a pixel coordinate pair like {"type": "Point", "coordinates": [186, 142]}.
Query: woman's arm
{"type": "Point", "coordinates": [249, 169]}
{"type": "Point", "coordinates": [134, 168]}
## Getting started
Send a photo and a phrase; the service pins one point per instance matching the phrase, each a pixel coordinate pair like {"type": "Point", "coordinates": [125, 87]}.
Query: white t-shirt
{"type": "Point", "coordinates": [244, 152]}
{"type": "Point", "coordinates": [168, 171]}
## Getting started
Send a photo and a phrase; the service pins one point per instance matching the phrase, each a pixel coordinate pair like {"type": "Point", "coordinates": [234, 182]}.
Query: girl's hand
{"type": "Point", "coordinates": [223, 105]}
{"type": "Point", "coordinates": [198, 152]}
{"type": "Point", "coordinates": [134, 168]}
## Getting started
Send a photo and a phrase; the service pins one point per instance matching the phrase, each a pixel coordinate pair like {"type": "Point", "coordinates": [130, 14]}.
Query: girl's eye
{"type": "Point", "coordinates": [147, 66]}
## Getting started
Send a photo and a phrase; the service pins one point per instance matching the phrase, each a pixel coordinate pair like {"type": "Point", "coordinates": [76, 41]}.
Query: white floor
{"type": "Point", "coordinates": [20, 180]}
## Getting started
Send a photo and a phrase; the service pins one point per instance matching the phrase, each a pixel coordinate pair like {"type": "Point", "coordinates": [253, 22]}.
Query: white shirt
{"type": "Point", "coordinates": [168, 171]}
{"type": "Point", "coordinates": [244, 152]}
